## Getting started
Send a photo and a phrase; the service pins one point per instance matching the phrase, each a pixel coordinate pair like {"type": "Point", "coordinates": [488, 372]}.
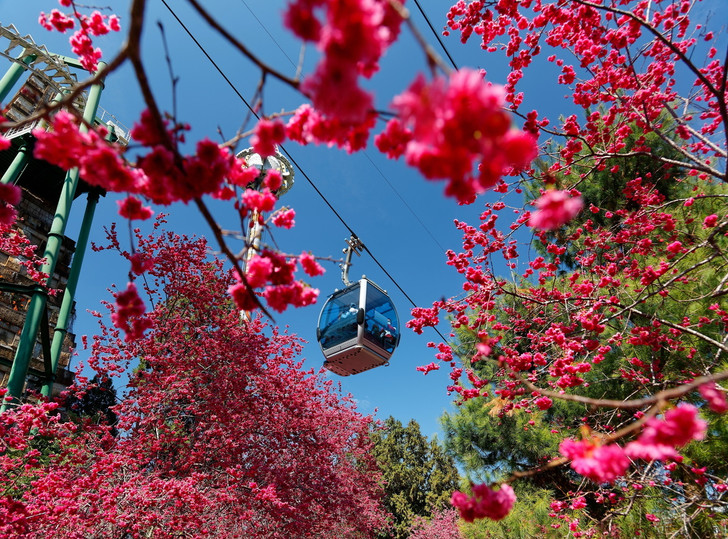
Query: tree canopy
{"type": "Point", "coordinates": [220, 427]}
{"type": "Point", "coordinates": [418, 476]}
{"type": "Point", "coordinates": [591, 332]}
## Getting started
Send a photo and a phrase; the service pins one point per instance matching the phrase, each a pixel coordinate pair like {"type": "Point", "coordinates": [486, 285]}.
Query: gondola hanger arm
{"type": "Point", "coordinates": [353, 245]}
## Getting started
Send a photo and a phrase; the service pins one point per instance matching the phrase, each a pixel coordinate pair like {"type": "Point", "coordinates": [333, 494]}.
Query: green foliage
{"type": "Point", "coordinates": [419, 477]}
{"type": "Point", "coordinates": [603, 185]}
{"type": "Point", "coordinates": [641, 206]}
{"type": "Point", "coordinates": [489, 443]}
{"type": "Point", "coordinates": [529, 518]}
{"type": "Point", "coordinates": [94, 402]}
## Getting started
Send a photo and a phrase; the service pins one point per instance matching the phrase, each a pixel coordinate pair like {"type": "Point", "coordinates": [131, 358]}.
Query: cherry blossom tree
{"type": "Point", "coordinates": [222, 433]}
{"type": "Point", "coordinates": [442, 525]}
{"type": "Point", "coordinates": [447, 127]}
{"type": "Point", "coordinates": [631, 327]}
{"type": "Point", "coordinates": [643, 293]}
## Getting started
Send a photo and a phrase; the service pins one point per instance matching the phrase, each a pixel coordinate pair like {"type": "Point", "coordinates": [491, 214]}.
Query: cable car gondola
{"type": "Point", "coordinates": [358, 328]}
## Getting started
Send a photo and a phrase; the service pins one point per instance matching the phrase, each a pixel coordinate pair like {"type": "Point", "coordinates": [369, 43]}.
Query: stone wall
{"type": "Point", "coordinates": [35, 218]}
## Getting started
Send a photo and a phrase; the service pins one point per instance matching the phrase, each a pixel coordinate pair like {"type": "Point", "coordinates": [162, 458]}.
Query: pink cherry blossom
{"type": "Point", "coordinates": [132, 208]}
{"type": "Point", "coordinates": [243, 299]}
{"type": "Point", "coordinates": [352, 36]}
{"type": "Point", "coordinates": [10, 194]}
{"type": "Point", "coordinates": [56, 20]}
{"type": "Point", "coordinates": [449, 128]}
{"type": "Point", "coordinates": [675, 247]}
{"type": "Point", "coordinates": [484, 503]}
{"type": "Point", "coordinates": [284, 218]}
{"type": "Point", "coordinates": [145, 130]}
{"type": "Point", "coordinates": [140, 263]}
{"type": "Point", "coordinates": [242, 175]}
{"type": "Point", "coordinates": [679, 426]}
{"type": "Point", "coordinates": [310, 266]}
{"type": "Point", "coordinates": [258, 269]}
{"type": "Point", "coordinates": [555, 208]}
{"type": "Point", "coordinates": [261, 201]}
{"type": "Point", "coordinates": [334, 90]}
{"type": "Point", "coordinates": [273, 180]}
{"type": "Point", "coordinates": [660, 437]}
{"type": "Point", "coordinates": [129, 314]}
{"type": "Point", "coordinates": [710, 221]}
{"type": "Point", "coordinates": [8, 215]}
{"type": "Point", "coordinates": [297, 294]}
{"type": "Point", "coordinates": [424, 369]}
{"type": "Point", "coordinates": [543, 403]}
{"type": "Point", "coordinates": [714, 396]}
{"type": "Point", "coordinates": [268, 133]}
{"type": "Point", "coordinates": [600, 463]}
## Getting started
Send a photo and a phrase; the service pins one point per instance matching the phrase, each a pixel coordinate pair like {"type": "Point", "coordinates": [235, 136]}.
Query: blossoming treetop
{"type": "Point", "coordinates": [541, 329]}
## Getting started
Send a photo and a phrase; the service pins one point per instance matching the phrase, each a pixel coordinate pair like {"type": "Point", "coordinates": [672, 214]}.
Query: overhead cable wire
{"type": "Point", "coordinates": [374, 165]}
{"type": "Point", "coordinates": [437, 35]}
{"type": "Point", "coordinates": [296, 164]}
{"type": "Point", "coordinates": [199, 46]}
{"type": "Point", "coordinates": [269, 34]}
{"type": "Point", "coordinates": [404, 202]}
{"type": "Point", "coordinates": [250, 108]}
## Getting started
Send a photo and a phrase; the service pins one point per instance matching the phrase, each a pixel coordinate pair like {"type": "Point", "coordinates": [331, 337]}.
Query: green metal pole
{"type": "Point", "coordinates": [23, 155]}
{"type": "Point", "coordinates": [68, 295]}
{"type": "Point", "coordinates": [19, 370]}
{"type": "Point", "coordinates": [19, 162]}
{"type": "Point", "coordinates": [12, 75]}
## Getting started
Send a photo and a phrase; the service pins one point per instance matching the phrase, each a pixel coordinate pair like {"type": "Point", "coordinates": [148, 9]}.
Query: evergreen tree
{"type": "Point", "coordinates": [418, 475]}
{"type": "Point", "coordinates": [625, 357]}
{"type": "Point", "coordinates": [94, 401]}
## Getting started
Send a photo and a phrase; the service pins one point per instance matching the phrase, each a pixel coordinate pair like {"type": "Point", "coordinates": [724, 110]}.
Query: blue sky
{"type": "Point", "coordinates": [403, 219]}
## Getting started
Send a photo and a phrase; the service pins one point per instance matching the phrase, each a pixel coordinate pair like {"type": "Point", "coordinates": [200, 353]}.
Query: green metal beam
{"type": "Point", "coordinates": [64, 314]}
{"type": "Point", "coordinates": [13, 74]}
{"type": "Point", "coordinates": [16, 381]}
{"type": "Point", "coordinates": [71, 62]}
{"type": "Point", "coordinates": [19, 161]}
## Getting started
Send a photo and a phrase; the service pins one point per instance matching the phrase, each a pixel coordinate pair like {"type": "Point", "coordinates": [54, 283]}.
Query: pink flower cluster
{"type": "Point", "coordinates": [448, 128]}
{"type": "Point", "coordinates": [10, 196]}
{"type": "Point", "coordinates": [660, 437]}
{"type": "Point", "coordinates": [129, 313]}
{"type": "Point", "coordinates": [284, 218]}
{"type": "Point", "coordinates": [484, 503]}
{"type": "Point", "coordinates": [268, 133]}
{"type": "Point", "coordinates": [308, 125]}
{"type": "Point", "coordinates": [543, 403]}
{"type": "Point", "coordinates": [555, 208]}
{"type": "Point", "coordinates": [260, 201]}
{"type": "Point", "coordinates": [160, 175]}
{"type": "Point", "coordinates": [131, 208]}
{"type": "Point", "coordinates": [310, 266]}
{"type": "Point", "coordinates": [99, 162]}
{"type": "Point", "coordinates": [56, 20]}
{"type": "Point", "coordinates": [600, 463]}
{"type": "Point", "coordinates": [352, 35]}
{"type": "Point", "coordinates": [424, 369]}
{"type": "Point", "coordinates": [277, 274]}
{"type": "Point", "coordinates": [95, 24]}
{"type": "Point", "coordinates": [165, 181]}
{"type": "Point", "coordinates": [715, 397]}
{"type": "Point", "coordinates": [163, 176]}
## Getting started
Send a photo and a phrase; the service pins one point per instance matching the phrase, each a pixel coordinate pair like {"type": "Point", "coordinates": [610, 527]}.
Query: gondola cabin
{"type": "Point", "coordinates": [358, 329]}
